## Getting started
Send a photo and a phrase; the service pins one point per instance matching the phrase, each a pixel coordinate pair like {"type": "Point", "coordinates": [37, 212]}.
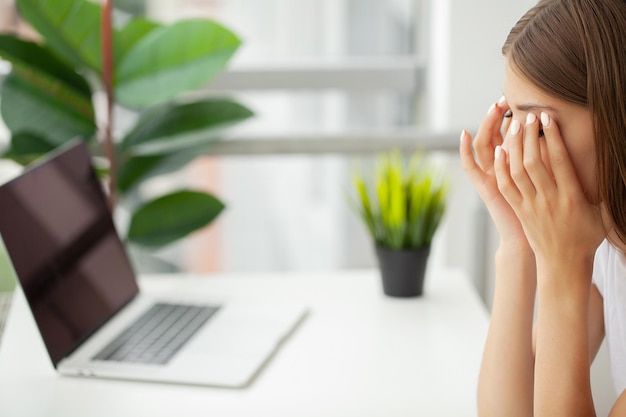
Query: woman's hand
{"type": "Point", "coordinates": [564, 229]}
{"type": "Point", "coordinates": [480, 170]}
{"type": "Point", "coordinates": [505, 385]}
{"type": "Point", "coordinates": [561, 225]}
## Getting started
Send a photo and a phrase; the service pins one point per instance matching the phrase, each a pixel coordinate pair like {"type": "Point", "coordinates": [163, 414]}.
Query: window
{"type": "Point", "coordinates": [316, 69]}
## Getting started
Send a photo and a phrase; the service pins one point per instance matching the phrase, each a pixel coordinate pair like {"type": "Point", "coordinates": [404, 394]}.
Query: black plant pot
{"type": "Point", "coordinates": [402, 270]}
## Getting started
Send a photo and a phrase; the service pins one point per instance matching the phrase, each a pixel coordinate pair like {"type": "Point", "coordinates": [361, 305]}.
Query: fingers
{"type": "Point", "coordinates": [562, 167]}
{"type": "Point", "coordinates": [489, 134]}
{"type": "Point", "coordinates": [526, 174]}
{"type": "Point", "coordinates": [530, 164]}
{"type": "Point", "coordinates": [506, 123]}
{"type": "Point", "coordinates": [533, 162]}
{"type": "Point", "coordinates": [516, 154]}
{"type": "Point", "coordinates": [505, 182]}
{"type": "Point", "coordinates": [471, 168]}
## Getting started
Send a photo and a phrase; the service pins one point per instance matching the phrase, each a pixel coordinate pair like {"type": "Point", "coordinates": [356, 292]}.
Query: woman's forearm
{"type": "Point", "coordinates": [506, 378]}
{"type": "Point", "coordinates": [562, 385]}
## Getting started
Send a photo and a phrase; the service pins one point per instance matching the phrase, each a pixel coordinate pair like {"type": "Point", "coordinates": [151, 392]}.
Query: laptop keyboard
{"type": "Point", "coordinates": [158, 334]}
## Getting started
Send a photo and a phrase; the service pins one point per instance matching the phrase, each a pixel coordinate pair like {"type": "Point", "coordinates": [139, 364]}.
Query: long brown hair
{"type": "Point", "coordinates": [575, 50]}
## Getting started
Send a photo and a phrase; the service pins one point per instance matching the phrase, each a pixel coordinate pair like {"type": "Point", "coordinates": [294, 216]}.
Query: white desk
{"type": "Point", "coordinates": [358, 353]}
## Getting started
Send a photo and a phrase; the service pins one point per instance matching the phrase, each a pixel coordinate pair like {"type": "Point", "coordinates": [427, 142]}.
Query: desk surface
{"type": "Point", "coordinates": [358, 353]}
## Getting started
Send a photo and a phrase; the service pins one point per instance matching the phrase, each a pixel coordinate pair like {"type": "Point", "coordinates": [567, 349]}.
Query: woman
{"type": "Point", "coordinates": [555, 185]}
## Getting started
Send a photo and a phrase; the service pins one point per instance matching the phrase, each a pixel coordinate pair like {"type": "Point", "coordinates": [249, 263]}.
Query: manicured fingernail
{"type": "Point", "coordinates": [515, 127]}
{"type": "Point", "coordinates": [491, 108]}
{"type": "Point", "coordinates": [498, 152]}
{"type": "Point", "coordinates": [545, 119]}
{"type": "Point", "coordinates": [462, 135]}
{"type": "Point", "coordinates": [530, 118]}
{"type": "Point", "coordinates": [502, 100]}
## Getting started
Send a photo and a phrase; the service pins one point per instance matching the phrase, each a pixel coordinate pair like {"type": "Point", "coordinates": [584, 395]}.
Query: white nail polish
{"type": "Point", "coordinates": [462, 135]}
{"type": "Point", "coordinates": [545, 119]}
{"type": "Point", "coordinates": [515, 127]}
{"type": "Point", "coordinates": [502, 100]}
{"type": "Point", "coordinates": [491, 108]}
{"type": "Point", "coordinates": [498, 152]}
{"type": "Point", "coordinates": [530, 118]}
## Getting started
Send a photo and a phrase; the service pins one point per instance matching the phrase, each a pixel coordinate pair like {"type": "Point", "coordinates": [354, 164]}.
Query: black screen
{"type": "Point", "coordinates": [62, 242]}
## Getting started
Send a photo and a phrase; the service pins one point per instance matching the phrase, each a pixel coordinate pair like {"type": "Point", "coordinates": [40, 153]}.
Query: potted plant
{"type": "Point", "coordinates": [133, 67]}
{"type": "Point", "coordinates": [402, 207]}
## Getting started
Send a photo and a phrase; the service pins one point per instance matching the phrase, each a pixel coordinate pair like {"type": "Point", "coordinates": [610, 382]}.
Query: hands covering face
{"type": "Point", "coordinates": [480, 170]}
{"type": "Point", "coordinates": [534, 175]}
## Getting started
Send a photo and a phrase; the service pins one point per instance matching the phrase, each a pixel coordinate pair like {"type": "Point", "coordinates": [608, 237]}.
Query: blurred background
{"type": "Point", "coordinates": [332, 83]}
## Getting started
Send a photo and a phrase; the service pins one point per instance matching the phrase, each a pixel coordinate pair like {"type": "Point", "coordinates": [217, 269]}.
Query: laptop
{"type": "Point", "coordinates": [84, 296]}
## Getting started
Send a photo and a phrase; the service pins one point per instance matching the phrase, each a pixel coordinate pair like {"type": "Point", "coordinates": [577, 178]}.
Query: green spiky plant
{"type": "Point", "coordinates": [403, 204]}
{"type": "Point", "coordinates": [138, 67]}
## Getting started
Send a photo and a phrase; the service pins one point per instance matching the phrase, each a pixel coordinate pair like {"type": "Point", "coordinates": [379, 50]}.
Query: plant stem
{"type": "Point", "coordinates": [107, 79]}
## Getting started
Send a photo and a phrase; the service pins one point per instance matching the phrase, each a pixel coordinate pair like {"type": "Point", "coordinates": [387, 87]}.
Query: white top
{"type": "Point", "coordinates": [357, 353]}
{"type": "Point", "coordinates": [609, 275]}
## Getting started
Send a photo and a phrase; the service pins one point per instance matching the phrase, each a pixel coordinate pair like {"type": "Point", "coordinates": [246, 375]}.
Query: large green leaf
{"type": "Point", "coordinates": [129, 35]}
{"type": "Point", "coordinates": [172, 217]}
{"type": "Point", "coordinates": [25, 147]}
{"type": "Point", "coordinates": [70, 27]}
{"type": "Point", "coordinates": [131, 171]}
{"type": "Point", "coordinates": [43, 95]}
{"type": "Point", "coordinates": [173, 128]}
{"type": "Point", "coordinates": [140, 168]}
{"type": "Point", "coordinates": [47, 108]}
{"type": "Point", "coordinates": [41, 67]}
{"type": "Point", "coordinates": [171, 60]}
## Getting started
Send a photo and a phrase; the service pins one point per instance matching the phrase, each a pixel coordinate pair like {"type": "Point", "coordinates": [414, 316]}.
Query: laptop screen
{"type": "Point", "coordinates": [61, 239]}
